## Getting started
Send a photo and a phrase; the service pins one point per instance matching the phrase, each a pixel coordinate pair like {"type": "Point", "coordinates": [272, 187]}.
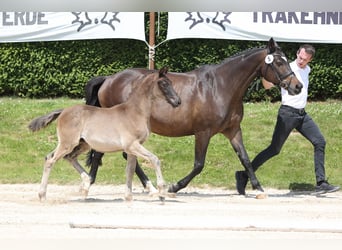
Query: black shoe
{"type": "Point", "coordinates": [241, 181]}
{"type": "Point", "coordinates": [325, 187]}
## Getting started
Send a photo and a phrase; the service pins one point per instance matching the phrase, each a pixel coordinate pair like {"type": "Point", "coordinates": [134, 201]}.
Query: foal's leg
{"type": "Point", "coordinates": [140, 151]}
{"type": "Point", "coordinates": [85, 184]}
{"type": "Point", "coordinates": [130, 168]}
{"type": "Point", "coordinates": [142, 177]}
{"type": "Point", "coordinates": [50, 160]}
{"type": "Point", "coordinates": [72, 158]}
{"type": "Point", "coordinates": [94, 161]}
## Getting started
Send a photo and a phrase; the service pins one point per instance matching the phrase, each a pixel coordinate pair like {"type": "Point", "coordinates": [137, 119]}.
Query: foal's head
{"type": "Point", "coordinates": [277, 70]}
{"type": "Point", "coordinates": [165, 86]}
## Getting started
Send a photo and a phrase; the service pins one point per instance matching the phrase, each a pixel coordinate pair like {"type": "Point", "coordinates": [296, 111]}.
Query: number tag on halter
{"type": "Point", "coordinates": [269, 59]}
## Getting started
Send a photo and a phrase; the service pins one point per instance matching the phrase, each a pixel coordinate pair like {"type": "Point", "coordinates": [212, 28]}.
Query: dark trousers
{"type": "Point", "coordinates": [288, 119]}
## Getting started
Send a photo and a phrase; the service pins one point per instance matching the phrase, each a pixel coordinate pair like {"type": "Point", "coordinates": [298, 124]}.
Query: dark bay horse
{"type": "Point", "coordinates": [212, 102]}
{"type": "Point", "coordinates": [124, 127]}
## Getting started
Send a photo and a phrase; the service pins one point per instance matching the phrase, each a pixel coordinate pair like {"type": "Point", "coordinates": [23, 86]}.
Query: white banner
{"type": "Point", "coordinates": [52, 26]}
{"type": "Point", "coordinates": [310, 27]}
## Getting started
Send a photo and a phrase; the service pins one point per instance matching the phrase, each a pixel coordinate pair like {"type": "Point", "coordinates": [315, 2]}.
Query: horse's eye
{"type": "Point", "coordinates": [279, 62]}
{"type": "Point", "coordinates": [162, 83]}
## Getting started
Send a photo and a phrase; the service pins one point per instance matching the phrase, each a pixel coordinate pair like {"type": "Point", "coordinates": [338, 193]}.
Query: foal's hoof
{"type": "Point", "coordinates": [154, 193]}
{"type": "Point", "coordinates": [128, 198]}
{"type": "Point", "coordinates": [170, 195]}
{"type": "Point", "coordinates": [85, 185]}
{"type": "Point", "coordinates": [42, 196]}
{"type": "Point", "coordinates": [150, 188]}
{"type": "Point", "coordinates": [163, 194]}
{"type": "Point", "coordinates": [84, 193]}
{"type": "Point", "coordinates": [166, 194]}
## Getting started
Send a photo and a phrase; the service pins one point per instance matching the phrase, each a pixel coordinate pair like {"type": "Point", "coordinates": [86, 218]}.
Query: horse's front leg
{"type": "Point", "coordinates": [140, 151]}
{"type": "Point", "coordinates": [94, 160]}
{"type": "Point", "coordinates": [237, 144]}
{"type": "Point", "coordinates": [201, 146]}
{"type": "Point", "coordinates": [142, 177]}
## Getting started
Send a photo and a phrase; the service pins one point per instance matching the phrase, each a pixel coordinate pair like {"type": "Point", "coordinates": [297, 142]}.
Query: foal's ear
{"type": "Point", "coordinates": [272, 45]}
{"type": "Point", "coordinates": [163, 71]}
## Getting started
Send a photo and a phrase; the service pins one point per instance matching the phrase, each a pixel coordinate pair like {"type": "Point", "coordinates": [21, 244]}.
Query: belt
{"type": "Point", "coordinates": [298, 111]}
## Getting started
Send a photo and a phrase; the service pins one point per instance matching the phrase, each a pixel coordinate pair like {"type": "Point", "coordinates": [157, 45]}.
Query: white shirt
{"type": "Point", "coordinates": [297, 101]}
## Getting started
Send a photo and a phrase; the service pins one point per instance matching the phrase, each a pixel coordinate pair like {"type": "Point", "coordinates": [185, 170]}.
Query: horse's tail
{"type": "Point", "coordinates": [92, 88]}
{"type": "Point", "coordinates": [42, 121]}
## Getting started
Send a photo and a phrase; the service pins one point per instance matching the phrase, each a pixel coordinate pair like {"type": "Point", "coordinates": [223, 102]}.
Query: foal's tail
{"type": "Point", "coordinates": [42, 121]}
{"type": "Point", "coordinates": [91, 90]}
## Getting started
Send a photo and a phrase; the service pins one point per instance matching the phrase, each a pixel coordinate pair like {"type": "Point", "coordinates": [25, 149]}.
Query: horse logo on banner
{"type": "Point", "coordinates": [219, 18]}
{"type": "Point", "coordinates": [83, 19]}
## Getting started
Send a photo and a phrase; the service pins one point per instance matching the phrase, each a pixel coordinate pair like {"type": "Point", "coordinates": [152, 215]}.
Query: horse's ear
{"type": "Point", "coordinates": [272, 45]}
{"type": "Point", "coordinates": [163, 71]}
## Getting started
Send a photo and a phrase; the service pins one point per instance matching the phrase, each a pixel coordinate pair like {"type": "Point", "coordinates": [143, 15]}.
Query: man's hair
{"type": "Point", "coordinates": [308, 49]}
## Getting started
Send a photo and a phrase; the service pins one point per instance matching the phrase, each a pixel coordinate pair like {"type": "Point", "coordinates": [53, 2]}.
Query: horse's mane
{"type": "Point", "coordinates": [246, 53]}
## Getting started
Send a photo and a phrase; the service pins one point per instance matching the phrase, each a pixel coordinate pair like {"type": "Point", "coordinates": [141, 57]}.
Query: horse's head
{"type": "Point", "coordinates": [276, 69]}
{"type": "Point", "coordinates": [165, 86]}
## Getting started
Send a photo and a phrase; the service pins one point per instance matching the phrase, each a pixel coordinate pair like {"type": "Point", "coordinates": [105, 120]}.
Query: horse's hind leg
{"type": "Point", "coordinates": [94, 161]}
{"type": "Point", "coordinates": [130, 168]}
{"type": "Point", "coordinates": [50, 160]}
{"type": "Point", "coordinates": [237, 144]}
{"type": "Point", "coordinates": [72, 158]}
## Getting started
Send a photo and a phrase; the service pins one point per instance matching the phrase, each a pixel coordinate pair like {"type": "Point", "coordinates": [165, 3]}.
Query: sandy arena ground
{"type": "Point", "coordinates": [195, 216]}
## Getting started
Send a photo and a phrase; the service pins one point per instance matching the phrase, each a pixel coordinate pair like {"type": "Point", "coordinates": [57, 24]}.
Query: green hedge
{"type": "Point", "coordinates": [53, 69]}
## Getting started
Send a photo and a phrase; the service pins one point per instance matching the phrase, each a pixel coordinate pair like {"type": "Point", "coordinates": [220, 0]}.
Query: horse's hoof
{"type": "Point", "coordinates": [153, 193]}
{"type": "Point", "coordinates": [173, 188]}
{"type": "Point", "coordinates": [170, 195]}
{"type": "Point", "coordinates": [150, 188]}
{"type": "Point", "coordinates": [128, 198]}
{"type": "Point", "coordinates": [42, 196]}
{"type": "Point", "coordinates": [84, 193]}
{"type": "Point", "coordinates": [85, 185]}
{"type": "Point", "coordinates": [162, 195]}
{"type": "Point", "coordinates": [261, 196]}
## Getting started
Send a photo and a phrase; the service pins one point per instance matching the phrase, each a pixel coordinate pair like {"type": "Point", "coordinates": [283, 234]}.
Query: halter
{"type": "Point", "coordinates": [269, 59]}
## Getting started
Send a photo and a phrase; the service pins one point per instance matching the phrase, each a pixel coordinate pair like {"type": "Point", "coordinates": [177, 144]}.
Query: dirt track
{"type": "Point", "coordinates": [195, 214]}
